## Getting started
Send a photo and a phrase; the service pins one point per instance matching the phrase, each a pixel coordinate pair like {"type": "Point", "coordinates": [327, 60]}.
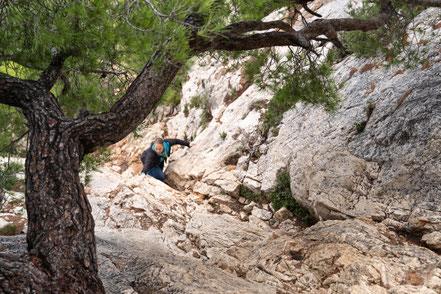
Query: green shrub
{"type": "Point", "coordinates": [368, 109]}
{"type": "Point", "coordinates": [360, 126]}
{"type": "Point", "coordinates": [12, 126]}
{"type": "Point", "coordinates": [186, 110]}
{"type": "Point", "coordinates": [389, 40]}
{"type": "Point", "coordinates": [8, 175]}
{"type": "Point", "coordinates": [242, 150]}
{"type": "Point", "coordinates": [312, 86]}
{"type": "Point", "coordinates": [223, 135]}
{"type": "Point", "coordinates": [202, 103]}
{"type": "Point", "coordinates": [92, 161]}
{"type": "Point", "coordinates": [281, 196]}
{"type": "Point", "coordinates": [198, 102]}
{"type": "Point", "coordinates": [9, 230]}
{"type": "Point", "coordinates": [251, 196]}
{"type": "Point", "coordinates": [252, 67]}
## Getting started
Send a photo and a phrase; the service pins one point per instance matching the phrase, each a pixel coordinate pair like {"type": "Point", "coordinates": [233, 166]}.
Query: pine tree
{"type": "Point", "coordinates": [84, 74]}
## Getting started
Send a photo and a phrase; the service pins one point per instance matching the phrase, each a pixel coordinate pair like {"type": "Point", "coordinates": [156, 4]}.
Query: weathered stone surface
{"type": "Point", "coordinates": [154, 238]}
{"type": "Point", "coordinates": [261, 213]}
{"type": "Point", "coordinates": [388, 172]}
{"type": "Point", "coordinates": [134, 260]}
{"type": "Point", "coordinates": [283, 214]}
{"type": "Point", "coordinates": [150, 236]}
{"type": "Point", "coordinates": [351, 256]}
{"type": "Point", "coordinates": [433, 240]}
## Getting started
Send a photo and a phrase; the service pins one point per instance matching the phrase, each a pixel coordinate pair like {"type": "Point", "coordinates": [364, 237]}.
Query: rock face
{"type": "Point", "coordinates": [195, 234]}
{"type": "Point", "coordinates": [191, 245]}
{"type": "Point", "coordinates": [378, 156]}
{"type": "Point", "coordinates": [390, 171]}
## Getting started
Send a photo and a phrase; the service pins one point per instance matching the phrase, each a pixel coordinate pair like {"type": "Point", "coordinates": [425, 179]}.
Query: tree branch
{"type": "Point", "coordinates": [257, 25]}
{"type": "Point", "coordinates": [128, 112]}
{"type": "Point", "coordinates": [14, 141]}
{"type": "Point", "coordinates": [234, 39]}
{"type": "Point", "coordinates": [249, 42]}
{"type": "Point", "coordinates": [53, 72]}
{"type": "Point", "coordinates": [11, 90]}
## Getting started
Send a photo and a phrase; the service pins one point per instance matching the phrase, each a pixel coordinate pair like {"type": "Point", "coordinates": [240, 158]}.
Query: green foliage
{"type": "Point", "coordinates": [223, 135]}
{"type": "Point", "coordinates": [198, 102]}
{"type": "Point", "coordinates": [91, 162]}
{"type": "Point", "coordinates": [206, 117]}
{"type": "Point", "coordinates": [12, 124]}
{"type": "Point", "coordinates": [241, 149]}
{"type": "Point", "coordinates": [368, 109]}
{"type": "Point", "coordinates": [281, 196]}
{"type": "Point", "coordinates": [109, 43]}
{"type": "Point", "coordinates": [389, 40]}
{"type": "Point", "coordinates": [311, 86]}
{"type": "Point", "coordinates": [252, 67]}
{"type": "Point", "coordinates": [8, 175]}
{"type": "Point", "coordinates": [360, 126]}
{"type": "Point", "coordinates": [9, 230]}
{"type": "Point", "coordinates": [202, 103]}
{"type": "Point", "coordinates": [186, 110]}
{"type": "Point", "coordinates": [275, 132]}
{"type": "Point", "coordinates": [173, 94]}
{"type": "Point", "coordinates": [251, 196]}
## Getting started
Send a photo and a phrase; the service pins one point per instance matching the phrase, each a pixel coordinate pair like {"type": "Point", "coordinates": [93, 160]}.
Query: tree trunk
{"type": "Point", "coordinates": [60, 235]}
{"type": "Point", "coordinates": [61, 243]}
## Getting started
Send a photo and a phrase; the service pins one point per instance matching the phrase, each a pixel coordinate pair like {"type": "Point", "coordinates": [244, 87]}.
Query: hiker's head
{"type": "Point", "coordinates": [159, 145]}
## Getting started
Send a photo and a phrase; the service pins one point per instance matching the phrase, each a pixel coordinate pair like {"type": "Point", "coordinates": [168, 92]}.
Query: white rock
{"type": "Point", "coordinates": [261, 213]}
{"type": "Point", "coordinates": [433, 240]}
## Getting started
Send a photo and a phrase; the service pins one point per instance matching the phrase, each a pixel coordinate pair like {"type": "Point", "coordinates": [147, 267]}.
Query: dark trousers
{"type": "Point", "coordinates": [157, 173]}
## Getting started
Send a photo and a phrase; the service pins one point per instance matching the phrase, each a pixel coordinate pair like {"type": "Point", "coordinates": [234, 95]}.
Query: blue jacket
{"type": "Point", "coordinates": [151, 159]}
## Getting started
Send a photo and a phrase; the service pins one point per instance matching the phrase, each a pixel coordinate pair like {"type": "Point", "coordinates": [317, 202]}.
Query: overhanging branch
{"type": "Point", "coordinates": [128, 112]}
{"type": "Point", "coordinates": [11, 90]}
{"type": "Point", "coordinates": [53, 72]}
{"type": "Point", "coordinates": [14, 141]}
{"type": "Point", "coordinates": [235, 37]}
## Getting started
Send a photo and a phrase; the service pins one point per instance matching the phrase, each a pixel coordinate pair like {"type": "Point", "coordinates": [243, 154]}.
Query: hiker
{"type": "Point", "coordinates": [154, 157]}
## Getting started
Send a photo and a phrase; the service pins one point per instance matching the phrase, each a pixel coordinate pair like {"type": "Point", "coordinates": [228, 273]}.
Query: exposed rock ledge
{"type": "Point", "coordinates": [153, 237]}
{"type": "Point", "coordinates": [389, 172]}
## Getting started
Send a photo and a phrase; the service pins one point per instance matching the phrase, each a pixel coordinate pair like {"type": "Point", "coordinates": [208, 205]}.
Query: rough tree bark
{"type": "Point", "coordinates": [61, 244]}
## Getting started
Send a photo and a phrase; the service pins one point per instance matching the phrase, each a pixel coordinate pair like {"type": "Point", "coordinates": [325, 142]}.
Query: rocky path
{"type": "Point", "coordinates": [153, 237]}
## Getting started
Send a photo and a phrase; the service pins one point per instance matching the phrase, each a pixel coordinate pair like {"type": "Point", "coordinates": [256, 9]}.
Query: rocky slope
{"type": "Point", "coordinates": [388, 172]}
{"type": "Point", "coordinates": [375, 192]}
{"type": "Point", "coordinates": [153, 237]}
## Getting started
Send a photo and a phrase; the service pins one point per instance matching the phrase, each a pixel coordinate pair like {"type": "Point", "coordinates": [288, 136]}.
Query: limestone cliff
{"type": "Point", "coordinates": [376, 192]}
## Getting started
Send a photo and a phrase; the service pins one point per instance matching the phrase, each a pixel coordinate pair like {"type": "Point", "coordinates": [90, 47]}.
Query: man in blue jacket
{"type": "Point", "coordinates": [154, 157]}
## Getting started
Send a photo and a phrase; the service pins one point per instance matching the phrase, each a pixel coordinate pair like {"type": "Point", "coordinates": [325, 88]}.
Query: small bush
{"type": "Point", "coordinates": [202, 103]}
{"type": "Point", "coordinates": [223, 135]}
{"type": "Point", "coordinates": [252, 67]}
{"type": "Point", "coordinates": [186, 110]}
{"type": "Point", "coordinates": [312, 86]}
{"type": "Point", "coordinates": [8, 175]}
{"type": "Point", "coordinates": [281, 196]}
{"type": "Point", "coordinates": [360, 126]}
{"type": "Point", "coordinates": [198, 102]}
{"type": "Point", "coordinates": [241, 149]}
{"type": "Point", "coordinates": [251, 196]}
{"type": "Point", "coordinates": [92, 161]}
{"type": "Point", "coordinates": [389, 40]}
{"type": "Point", "coordinates": [275, 132]}
{"type": "Point", "coordinates": [9, 230]}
